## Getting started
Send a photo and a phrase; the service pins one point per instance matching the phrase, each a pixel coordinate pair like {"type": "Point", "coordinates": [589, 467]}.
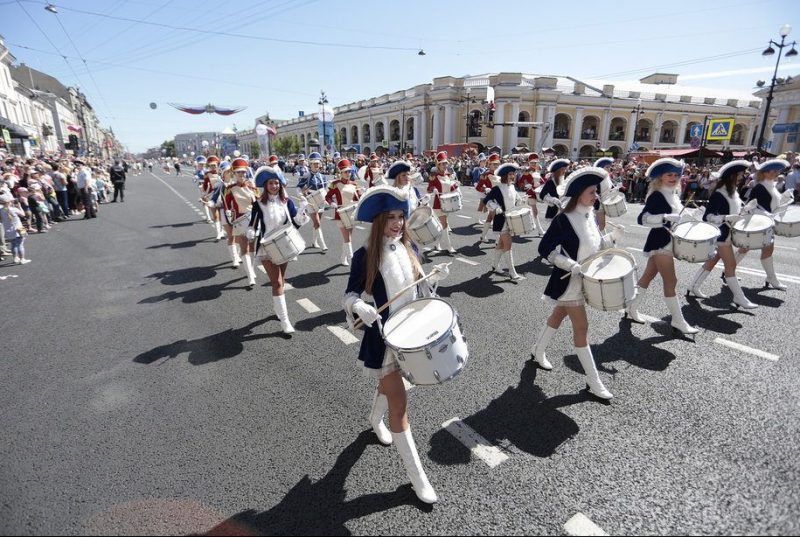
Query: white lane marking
{"type": "Point", "coordinates": [634, 249]}
{"type": "Point", "coordinates": [286, 286]}
{"type": "Point", "coordinates": [746, 349]}
{"type": "Point", "coordinates": [361, 227]}
{"type": "Point", "coordinates": [4, 278]}
{"type": "Point", "coordinates": [307, 305]}
{"type": "Point", "coordinates": [580, 524]}
{"type": "Point", "coordinates": [467, 261]}
{"type": "Point", "coordinates": [464, 216]}
{"type": "Point", "coordinates": [761, 274]}
{"type": "Point", "coordinates": [786, 248]}
{"type": "Point", "coordinates": [407, 384]}
{"type": "Point", "coordinates": [346, 337]}
{"type": "Point", "coordinates": [477, 444]}
{"type": "Point", "coordinates": [262, 269]}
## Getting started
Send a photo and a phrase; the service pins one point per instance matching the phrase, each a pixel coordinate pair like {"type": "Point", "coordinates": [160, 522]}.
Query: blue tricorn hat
{"type": "Point", "coordinates": [602, 162]}
{"type": "Point", "coordinates": [314, 156]}
{"type": "Point", "coordinates": [381, 199]}
{"type": "Point", "coordinates": [665, 165]}
{"type": "Point", "coordinates": [506, 168]}
{"type": "Point", "coordinates": [580, 180]}
{"type": "Point", "coordinates": [773, 164]}
{"type": "Point", "coordinates": [732, 168]}
{"type": "Point", "coordinates": [200, 159]}
{"type": "Point", "coordinates": [558, 163]}
{"type": "Point", "coordinates": [266, 173]}
{"type": "Point", "coordinates": [397, 168]}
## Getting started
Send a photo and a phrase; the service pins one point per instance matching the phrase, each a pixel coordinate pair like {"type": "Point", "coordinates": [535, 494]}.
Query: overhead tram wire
{"type": "Point", "coordinates": [722, 56]}
{"type": "Point", "coordinates": [115, 35]}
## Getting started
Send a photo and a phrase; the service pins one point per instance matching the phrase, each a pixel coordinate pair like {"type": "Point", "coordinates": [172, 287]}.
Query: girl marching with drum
{"type": "Point", "coordinates": [484, 186]}
{"type": "Point", "coordinates": [573, 237]}
{"type": "Point", "coordinates": [528, 182]}
{"type": "Point", "coordinates": [604, 190]}
{"type": "Point", "coordinates": [311, 182]}
{"type": "Point", "coordinates": [381, 269]}
{"type": "Point", "coordinates": [238, 202]}
{"type": "Point", "coordinates": [211, 183]}
{"type": "Point", "coordinates": [662, 208]}
{"type": "Point", "coordinates": [502, 199]}
{"type": "Point", "coordinates": [768, 199]}
{"type": "Point", "coordinates": [273, 211]}
{"type": "Point", "coordinates": [723, 210]}
{"type": "Point", "coordinates": [399, 172]}
{"type": "Point", "coordinates": [343, 193]}
{"type": "Point", "coordinates": [555, 174]}
{"type": "Point", "coordinates": [442, 182]}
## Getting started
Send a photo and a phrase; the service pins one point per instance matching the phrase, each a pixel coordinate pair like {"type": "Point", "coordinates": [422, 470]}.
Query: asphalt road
{"type": "Point", "coordinates": [146, 390]}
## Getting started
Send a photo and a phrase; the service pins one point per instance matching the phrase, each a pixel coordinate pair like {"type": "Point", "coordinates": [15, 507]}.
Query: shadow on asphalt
{"type": "Point", "coordinates": [522, 417]}
{"type": "Point", "coordinates": [535, 266]}
{"type": "Point", "coordinates": [320, 508]}
{"type": "Point", "coordinates": [481, 287]}
{"type": "Point", "coordinates": [466, 231]}
{"type": "Point", "coordinates": [198, 294]}
{"type": "Point", "coordinates": [326, 319]}
{"type": "Point", "coordinates": [187, 275]}
{"type": "Point", "coordinates": [313, 279]}
{"type": "Point", "coordinates": [220, 346]}
{"type": "Point", "coordinates": [184, 224]}
{"type": "Point", "coordinates": [181, 245]}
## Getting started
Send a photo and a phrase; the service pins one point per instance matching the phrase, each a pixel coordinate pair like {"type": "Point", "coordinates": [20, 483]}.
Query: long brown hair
{"type": "Point", "coordinates": [281, 193]}
{"type": "Point", "coordinates": [375, 250]}
{"type": "Point", "coordinates": [729, 182]}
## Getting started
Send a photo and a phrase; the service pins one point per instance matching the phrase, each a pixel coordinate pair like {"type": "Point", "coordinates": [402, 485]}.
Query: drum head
{"type": "Point", "coordinates": [791, 216]}
{"type": "Point", "coordinates": [450, 195]}
{"type": "Point", "coordinates": [755, 222]}
{"type": "Point", "coordinates": [418, 323]}
{"type": "Point", "coordinates": [518, 212]}
{"type": "Point", "coordinates": [696, 231]}
{"type": "Point", "coordinates": [419, 217]}
{"type": "Point", "coordinates": [608, 267]}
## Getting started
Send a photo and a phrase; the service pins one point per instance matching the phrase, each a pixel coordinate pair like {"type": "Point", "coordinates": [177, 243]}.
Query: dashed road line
{"type": "Point", "coordinates": [785, 278]}
{"type": "Point", "coordinates": [362, 228]}
{"type": "Point", "coordinates": [344, 336]}
{"type": "Point", "coordinates": [4, 278]}
{"type": "Point", "coordinates": [467, 261]}
{"type": "Point", "coordinates": [580, 524]}
{"type": "Point", "coordinates": [744, 348]}
{"type": "Point", "coordinates": [478, 445]}
{"type": "Point", "coordinates": [634, 249]}
{"type": "Point", "coordinates": [786, 248]}
{"type": "Point", "coordinates": [464, 216]}
{"type": "Point", "coordinates": [307, 305]}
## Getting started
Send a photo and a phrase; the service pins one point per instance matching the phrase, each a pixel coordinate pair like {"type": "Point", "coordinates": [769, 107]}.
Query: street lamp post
{"type": "Point", "coordinates": [703, 141]}
{"type": "Point", "coordinates": [470, 100]}
{"type": "Point", "coordinates": [784, 31]}
{"type": "Point", "coordinates": [323, 100]}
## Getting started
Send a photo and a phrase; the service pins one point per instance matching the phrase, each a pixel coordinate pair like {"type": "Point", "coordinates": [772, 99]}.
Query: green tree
{"type": "Point", "coordinates": [255, 150]}
{"type": "Point", "coordinates": [169, 145]}
{"type": "Point", "coordinates": [285, 146]}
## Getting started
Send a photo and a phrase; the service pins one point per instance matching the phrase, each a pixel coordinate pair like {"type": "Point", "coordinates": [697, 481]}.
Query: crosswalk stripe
{"type": "Point", "coordinates": [344, 336]}
{"type": "Point", "coordinates": [744, 348]}
{"type": "Point", "coordinates": [580, 524]}
{"type": "Point", "coordinates": [467, 261]}
{"type": "Point", "coordinates": [478, 445]}
{"type": "Point", "coordinates": [307, 305]}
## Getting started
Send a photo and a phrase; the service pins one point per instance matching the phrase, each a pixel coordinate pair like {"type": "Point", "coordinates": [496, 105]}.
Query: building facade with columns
{"type": "Point", "coordinates": [784, 129]}
{"type": "Point", "coordinates": [574, 117]}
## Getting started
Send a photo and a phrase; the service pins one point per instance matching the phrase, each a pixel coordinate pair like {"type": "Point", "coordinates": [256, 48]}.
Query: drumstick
{"type": "Point", "coordinates": [359, 322]}
{"type": "Point", "coordinates": [691, 197]}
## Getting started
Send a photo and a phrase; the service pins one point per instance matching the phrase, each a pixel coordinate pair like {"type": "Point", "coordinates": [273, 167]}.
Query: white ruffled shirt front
{"type": "Point", "coordinates": [397, 272]}
{"type": "Point", "coordinates": [773, 192]}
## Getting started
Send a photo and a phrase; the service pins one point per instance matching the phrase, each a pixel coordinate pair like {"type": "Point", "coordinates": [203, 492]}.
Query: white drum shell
{"type": "Point", "coordinates": [424, 227]}
{"type": "Point", "coordinates": [316, 199]}
{"type": "Point", "coordinates": [240, 225]}
{"type": "Point", "coordinates": [609, 282]}
{"type": "Point", "coordinates": [788, 223]}
{"type": "Point", "coordinates": [615, 206]}
{"type": "Point", "coordinates": [346, 215]}
{"type": "Point", "coordinates": [753, 232]}
{"type": "Point", "coordinates": [282, 245]}
{"type": "Point", "coordinates": [433, 363]}
{"type": "Point", "coordinates": [695, 242]}
{"type": "Point", "coordinates": [520, 221]}
{"type": "Point", "coordinates": [450, 202]}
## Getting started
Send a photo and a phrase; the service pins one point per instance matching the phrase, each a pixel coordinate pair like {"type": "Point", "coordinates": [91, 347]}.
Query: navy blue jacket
{"type": "Point", "coordinates": [658, 237]}
{"type": "Point", "coordinates": [549, 188]}
{"type": "Point", "coordinates": [762, 196]}
{"type": "Point", "coordinates": [559, 235]}
{"type": "Point", "coordinates": [718, 204]}
{"type": "Point", "coordinates": [496, 195]}
{"type": "Point", "coordinates": [257, 220]}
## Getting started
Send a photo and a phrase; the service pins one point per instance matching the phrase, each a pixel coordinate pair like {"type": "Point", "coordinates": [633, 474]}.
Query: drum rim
{"type": "Point", "coordinates": [285, 230]}
{"type": "Point", "coordinates": [423, 347]}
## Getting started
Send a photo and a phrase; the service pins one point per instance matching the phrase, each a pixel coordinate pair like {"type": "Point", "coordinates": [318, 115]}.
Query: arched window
{"type": "Point", "coordinates": [561, 126]}
{"type": "Point", "coordinates": [589, 128]}
{"type": "Point", "coordinates": [523, 132]}
{"type": "Point", "coordinates": [669, 132]}
{"type": "Point", "coordinates": [354, 134]}
{"type": "Point", "coordinates": [561, 150]}
{"type": "Point", "coordinates": [616, 130]}
{"type": "Point", "coordinates": [394, 131]}
{"type": "Point", "coordinates": [365, 133]}
{"type": "Point", "coordinates": [644, 130]}
{"type": "Point", "coordinates": [409, 129]}
{"type": "Point", "coordinates": [475, 119]}
{"type": "Point", "coordinates": [343, 136]}
{"type": "Point", "coordinates": [586, 151]}
{"type": "Point", "coordinates": [379, 134]}
{"type": "Point", "coordinates": [739, 135]}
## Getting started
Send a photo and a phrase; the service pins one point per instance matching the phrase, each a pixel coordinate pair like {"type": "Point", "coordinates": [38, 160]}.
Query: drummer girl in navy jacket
{"type": "Point", "coordinates": [500, 200]}
{"type": "Point", "coordinates": [769, 199]}
{"type": "Point", "coordinates": [662, 208]}
{"type": "Point", "coordinates": [723, 210]}
{"type": "Point", "coordinates": [381, 269]}
{"type": "Point", "coordinates": [571, 238]}
{"type": "Point", "coordinates": [273, 211]}
{"type": "Point", "coordinates": [557, 170]}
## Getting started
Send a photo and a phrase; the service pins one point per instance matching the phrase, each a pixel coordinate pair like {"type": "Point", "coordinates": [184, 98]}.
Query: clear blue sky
{"type": "Point", "coordinates": [131, 64]}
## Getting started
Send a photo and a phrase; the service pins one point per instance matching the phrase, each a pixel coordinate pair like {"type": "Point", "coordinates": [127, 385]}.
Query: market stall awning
{"type": "Point", "coordinates": [13, 129]}
{"type": "Point", "coordinates": [688, 153]}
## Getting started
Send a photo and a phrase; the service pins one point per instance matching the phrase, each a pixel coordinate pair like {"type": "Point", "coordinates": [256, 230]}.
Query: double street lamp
{"type": "Point", "coordinates": [784, 31]}
{"type": "Point", "coordinates": [470, 100]}
{"type": "Point", "coordinates": [323, 101]}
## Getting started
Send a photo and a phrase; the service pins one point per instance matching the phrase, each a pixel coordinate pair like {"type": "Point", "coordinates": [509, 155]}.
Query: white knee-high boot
{"type": "Point", "coordinates": [235, 255]}
{"type": "Point", "coordinates": [498, 258]}
{"type": "Point", "coordinates": [279, 303]}
{"type": "Point", "coordinates": [592, 377]}
{"type": "Point", "coordinates": [207, 213]}
{"type": "Point", "coordinates": [772, 278]}
{"type": "Point", "coordinates": [380, 405]}
{"type": "Point", "coordinates": [512, 272]}
{"type": "Point", "coordinates": [408, 453]}
{"type": "Point", "coordinates": [350, 251]}
{"type": "Point", "coordinates": [446, 240]}
{"type": "Point", "coordinates": [538, 353]}
{"type": "Point", "coordinates": [738, 295]}
{"type": "Point", "coordinates": [486, 226]}
{"type": "Point", "coordinates": [678, 322]}
{"type": "Point", "coordinates": [539, 228]}
{"type": "Point", "coordinates": [315, 234]}
{"type": "Point", "coordinates": [345, 261]}
{"type": "Point", "coordinates": [251, 274]}
{"type": "Point", "coordinates": [697, 282]}
{"type": "Point", "coordinates": [218, 227]}
{"type": "Point", "coordinates": [632, 310]}
{"type": "Point", "coordinates": [322, 240]}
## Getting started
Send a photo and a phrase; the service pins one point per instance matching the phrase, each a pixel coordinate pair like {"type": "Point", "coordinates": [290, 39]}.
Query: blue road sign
{"type": "Point", "coordinates": [696, 131]}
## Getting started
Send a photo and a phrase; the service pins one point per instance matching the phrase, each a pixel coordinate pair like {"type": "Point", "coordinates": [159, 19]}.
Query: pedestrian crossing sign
{"type": "Point", "coordinates": [720, 129]}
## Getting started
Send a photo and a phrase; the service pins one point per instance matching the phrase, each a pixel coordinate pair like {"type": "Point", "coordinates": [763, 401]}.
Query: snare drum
{"type": "Point", "coordinates": [520, 221]}
{"type": "Point", "coordinates": [753, 232]}
{"type": "Point", "coordinates": [450, 202]}
{"type": "Point", "coordinates": [695, 242]}
{"type": "Point", "coordinates": [614, 205]}
{"type": "Point", "coordinates": [424, 227]}
{"type": "Point", "coordinates": [347, 216]}
{"type": "Point", "coordinates": [427, 338]}
{"type": "Point", "coordinates": [788, 223]}
{"type": "Point", "coordinates": [241, 224]}
{"type": "Point", "coordinates": [282, 245]}
{"type": "Point", "coordinates": [609, 281]}
{"type": "Point", "coordinates": [316, 199]}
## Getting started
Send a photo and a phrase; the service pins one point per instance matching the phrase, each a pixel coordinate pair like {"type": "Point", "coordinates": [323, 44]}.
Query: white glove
{"type": "Point", "coordinates": [250, 234]}
{"type": "Point", "coordinates": [425, 200]}
{"type": "Point", "coordinates": [303, 205]}
{"type": "Point", "coordinates": [492, 206]}
{"type": "Point", "coordinates": [733, 218]}
{"type": "Point", "coordinates": [673, 217]}
{"type": "Point", "coordinates": [565, 263]}
{"type": "Point", "coordinates": [576, 269]}
{"type": "Point", "coordinates": [749, 207]}
{"type": "Point", "coordinates": [333, 205]}
{"type": "Point", "coordinates": [487, 190]}
{"type": "Point", "coordinates": [365, 312]}
{"type": "Point", "coordinates": [550, 200]}
{"type": "Point", "coordinates": [229, 215]}
{"type": "Point", "coordinates": [435, 191]}
{"type": "Point", "coordinates": [787, 196]}
{"type": "Point", "coordinates": [441, 271]}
